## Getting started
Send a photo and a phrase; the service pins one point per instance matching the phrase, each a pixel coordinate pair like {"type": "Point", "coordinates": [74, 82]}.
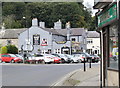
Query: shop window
{"type": "Point", "coordinates": [73, 39]}
{"type": "Point", "coordinates": [8, 42]}
{"type": "Point", "coordinates": [49, 51]}
{"type": "Point", "coordinates": [58, 50]}
{"type": "Point", "coordinates": [113, 47]}
{"type": "Point", "coordinates": [95, 51]}
{"type": "Point", "coordinates": [89, 41]}
{"type": "Point", "coordinates": [55, 50]}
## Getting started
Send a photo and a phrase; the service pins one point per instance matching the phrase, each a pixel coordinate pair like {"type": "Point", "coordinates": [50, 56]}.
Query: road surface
{"type": "Point", "coordinates": [36, 74]}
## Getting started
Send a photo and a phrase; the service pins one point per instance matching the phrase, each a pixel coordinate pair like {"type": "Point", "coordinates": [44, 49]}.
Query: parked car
{"type": "Point", "coordinates": [64, 58]}
{"type": "Point", "coordinates": [38, 58]}
{"type": "Point", "coordinates": [29, 59]}
{"type": "Point", "coordinates": [73, 58]}
{"type": "Point", "coordinates": [80, 57]}
{"type": "Point", "coordinates": [48, 58]}
{"type": "Point", "coordinates": [95, 58]}
{"type": "Point", "coordinates": [20, 56]}
{"type": "Point", "coordinates": [86, 55]}
{"type": "Point", "coordinates": [56, 59]}
{"type": "Point", "coordinates": [10, 58]}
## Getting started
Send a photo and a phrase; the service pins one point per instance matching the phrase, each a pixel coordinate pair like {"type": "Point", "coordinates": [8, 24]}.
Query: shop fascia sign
{"type": "Point", "coordinates": [107, 16]}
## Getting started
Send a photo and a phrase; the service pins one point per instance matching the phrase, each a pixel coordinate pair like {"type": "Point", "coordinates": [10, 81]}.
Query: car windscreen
{"type": "Point", "coordinates": [61, 55]}
{"type": "Point", "coordinates": [76, 55]}
{"type": "Point", "coordinates": [87, 54]}
{"type": "Point", "coordinates": [18, 55]}
{"type": "Point", "coordinates": [12, 55]}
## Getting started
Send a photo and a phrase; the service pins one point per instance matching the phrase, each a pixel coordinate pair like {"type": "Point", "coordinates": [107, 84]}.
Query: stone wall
{"type": "Point", "coordinates": [113, 78]}
{"type": "Point", "coordinates": [3, 42]}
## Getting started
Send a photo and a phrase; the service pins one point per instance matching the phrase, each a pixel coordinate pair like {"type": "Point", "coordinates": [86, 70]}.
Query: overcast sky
{"type": "Point", "coordinates": [90, 4]}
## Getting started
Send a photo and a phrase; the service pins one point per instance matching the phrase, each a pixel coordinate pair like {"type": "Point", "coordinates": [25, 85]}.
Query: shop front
{"type": "Point", "coordinates": [107, 25]}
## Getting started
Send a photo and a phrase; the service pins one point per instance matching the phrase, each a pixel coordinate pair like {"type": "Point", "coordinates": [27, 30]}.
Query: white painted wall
{"type": "Point", "coordinates": [95, 43]}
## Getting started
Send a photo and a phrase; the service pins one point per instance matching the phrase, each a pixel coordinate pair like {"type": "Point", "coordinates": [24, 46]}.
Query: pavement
{"type": "Point", "coordinates": [90, 77]}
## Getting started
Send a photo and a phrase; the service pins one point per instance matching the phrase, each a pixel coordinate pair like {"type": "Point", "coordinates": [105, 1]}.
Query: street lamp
{"type": "Point", "coordinates": [52, 48]}
{"type": "Point", "coordinates": [68, 36]}
{"type": "Point", "coordinates": [27, 41]}
{"type": "Point", "coordinates": [85, 46]}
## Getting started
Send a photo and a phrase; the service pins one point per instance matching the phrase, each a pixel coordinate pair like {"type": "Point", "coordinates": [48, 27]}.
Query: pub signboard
{"type": "Point", "coordinates": [107, 16]}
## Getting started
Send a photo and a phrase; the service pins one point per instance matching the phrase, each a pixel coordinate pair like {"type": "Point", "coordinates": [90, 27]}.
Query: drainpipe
{"type": "Point", "coordinates": [101, 59]}
{"type": "Point", "coordinates": [118, 18]}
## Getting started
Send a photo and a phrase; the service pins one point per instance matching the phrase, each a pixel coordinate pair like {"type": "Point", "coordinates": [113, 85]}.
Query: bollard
{"type": "Point", "coordinates": [90, 63]}
{"type": "Point", "coordinates": [84, 65]}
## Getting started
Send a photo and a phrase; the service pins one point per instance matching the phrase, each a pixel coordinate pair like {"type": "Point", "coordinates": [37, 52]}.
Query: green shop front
{"type": "Point", "coordinates": [107, 26]}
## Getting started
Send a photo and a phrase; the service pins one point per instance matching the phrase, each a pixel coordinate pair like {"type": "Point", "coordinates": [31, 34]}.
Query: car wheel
{"type": "Point", "coordinates": [0, 61]}
{"type": "Point", "coordinates": [43, 62]}
{"type": "Point", "coordinates": [30, 62]}
{"type": "Point", "coordinates": [63, 61]}
{"type": "Point", "coordinates": [12, 61]}
{"type": "Point", "coordinates": [36, 62]}
{"type": "Point", "coordinates": [79, 61]}
{"type": "Point", "coordinates": [72, 61]}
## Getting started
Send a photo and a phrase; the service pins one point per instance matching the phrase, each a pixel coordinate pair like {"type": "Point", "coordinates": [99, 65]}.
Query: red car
{"type": "Point", "coordinates": [57, 59]}
{"type": "Point", "coordinates": [9, 58]}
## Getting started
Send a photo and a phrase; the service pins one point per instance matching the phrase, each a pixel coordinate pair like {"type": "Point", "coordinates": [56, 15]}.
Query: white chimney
{"type": "Point", "coordinates": [35, 22]}
{"type": "Point", "coordinates": [42, 24]}
{"type": "Point", "coordinates": [68, 30]}
{"type": "Point", "coordinates": [58, 25]}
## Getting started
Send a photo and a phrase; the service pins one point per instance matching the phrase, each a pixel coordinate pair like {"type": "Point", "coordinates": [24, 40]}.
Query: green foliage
{"type": "Point", "coordinates": [12, 49]}
{"type": "Point", "coordinates": [13, 14]}
{"type": "Point", "coordinates": [92, 24]}
{"type": "Point", "coordinates": [10, 22]}
{"type": "Point", "coordinates": [49, 12]}
{"type": "Point", "coordinates": [3, 50]}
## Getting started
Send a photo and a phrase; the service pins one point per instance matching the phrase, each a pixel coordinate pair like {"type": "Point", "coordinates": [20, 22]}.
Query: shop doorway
{"type": "Point", "coordinates": [65, 50]}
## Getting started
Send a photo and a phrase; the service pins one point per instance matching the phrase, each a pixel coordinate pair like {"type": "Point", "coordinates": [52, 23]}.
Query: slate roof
{"type": "Point", "coordinates": [11, 33]}
{"type": "Point", "coordinates": [93, 34]}
{"type": "Point", "coordinates": [77, 31]}
{"type": "Point", "coordinates": [74, 31]}
{"type": "Point", "coordinates": [53, 31]}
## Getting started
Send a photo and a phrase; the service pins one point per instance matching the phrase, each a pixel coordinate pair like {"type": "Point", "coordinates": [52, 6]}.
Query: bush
{"type": "Point", "coordinates": [12, 49]}
{"type": "Point", "coordinates": [3, 50]}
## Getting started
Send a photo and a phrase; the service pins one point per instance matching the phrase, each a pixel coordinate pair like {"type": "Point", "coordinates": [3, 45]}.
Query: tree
{"type": "Point", "coordinates": [74, 12]}
{"type": "Point", "coordinates": [10, 22]}
{"type": "Point", "coordinates": [92, 24]}
{"type": "Point", "coordinates": [3, 50]}
{"type": "Point", "coordinates": [13, 14]}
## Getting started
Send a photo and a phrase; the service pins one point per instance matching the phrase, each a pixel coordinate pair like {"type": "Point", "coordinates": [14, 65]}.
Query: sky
{"type": "Point", "coordinates": [90, 4]}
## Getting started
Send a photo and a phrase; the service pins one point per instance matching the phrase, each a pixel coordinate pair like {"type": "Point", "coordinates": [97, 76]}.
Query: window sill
{"type": "Point", "coordinates": [113, 69]}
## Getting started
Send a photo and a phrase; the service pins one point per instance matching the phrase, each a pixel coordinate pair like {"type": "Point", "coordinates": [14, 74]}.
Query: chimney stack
{"type": "Point", "coordinates": [58, 25]}
{"type": "Point", "coordinates": [68, 30]}
{"type": "Point", "coordinates": [35, 22]}
{"type": "Point", "coordinates": [42, 24]}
